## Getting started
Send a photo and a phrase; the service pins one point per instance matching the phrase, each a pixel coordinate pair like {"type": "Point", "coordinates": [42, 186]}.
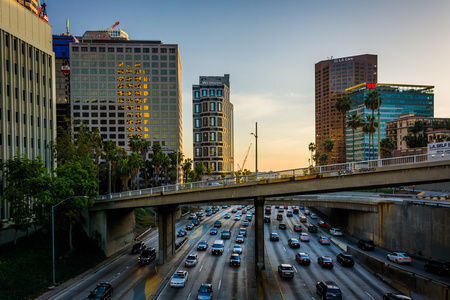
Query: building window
{"type": "Point", "coordinates": [198, 137]}
{"type": "Point", "coordinates": [198, 152]}
{"type": "Point", "coordinates": [212, 136]}
{"type": "Point", "coordinates": [197, 94]}
{"type": "Point", "coordinates": [197, 108]}
{"type": "Point", "coordinates": [198, 123]}
{"type": "Point", "coordinates": [204, 93]}
{"type": "Point", "coordinates": [212, 121]}
{"type": "Point", "coordinates": [219, 93]}
{"type": "Point", "coordinates": [211, 92]}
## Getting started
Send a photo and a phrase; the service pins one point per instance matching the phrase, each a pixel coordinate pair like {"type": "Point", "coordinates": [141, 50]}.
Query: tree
{"type": "Point", "coordinates": [200, 169]}
{"type": "Point", "coordinates": [328, 145]}
{"type": "Point", "coordinates": [157, 161]}
{"type": "Point", "coordinates": [416, 135]}
{"type": "Point", "coordinates": [176, 159]}
{"type": "Point", "coordinates": [165, 164]}
{"type": "Point", "coordinates": [187, 167]}
{"type": "Point", "coordinates": [323, 159]}
{"type": "Point", "coordinates": [124, 171]}
{"type": "Point", "coordinates": [135, 162]}
{"type": "Point", "coordinates": [387, 145]}
{"type": "Point", "coordinates": [354, 121]}
{"type": "Point", "coordinates": [373, 102]}
{"type": "Point", "coordinates": [369, 128]}
{"type": "Point", "coordinates": [312, 147]}
{"type": "Point", "coordinates": [343, 105]}
{"type": "Point", "coordinates": [108, 147]}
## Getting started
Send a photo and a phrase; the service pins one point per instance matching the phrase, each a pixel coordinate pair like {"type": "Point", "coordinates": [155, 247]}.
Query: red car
{"type": "Point", "coordinates": [285, 207]}
{"type": "Point", "coordinates": [322, 224]}
{"type": "Point", "coordinates": [297, 228]}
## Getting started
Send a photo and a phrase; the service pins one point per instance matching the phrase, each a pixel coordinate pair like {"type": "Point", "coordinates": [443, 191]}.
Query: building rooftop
{"type": "Point", "coordinates": [391, 86]}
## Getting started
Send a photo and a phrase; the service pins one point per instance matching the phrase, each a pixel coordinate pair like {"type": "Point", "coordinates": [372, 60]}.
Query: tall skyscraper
{"type": "Point", "coordinates": [27, 87]}
{"type": "Point", "coordinates": [213, 124]}
{"type": "Point", "coordinates": [127, 87]}
{"type": "Point", "coordinates": [396, 100]}
{"type": "Point", "coordinates": [332, 77]}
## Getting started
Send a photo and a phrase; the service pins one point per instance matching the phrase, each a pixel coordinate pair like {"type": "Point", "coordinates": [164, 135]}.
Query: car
{"type": "Point", "coordinates": [147, 256]}
{"type": "Point", "coordinates": [227, 216]}
{"type": "Point", "coordinates": [217, 224]}
{"type": "Point", "coordinates": [395, 296]}
{"type": "Point", "coordinates": [249, 217]}
{"type": "Point", "coordinates": [235, 260]}
{"type": "Point", "coordinates": [213, 231]}
{"type": "Point", "coordinates": [237, 249]}
{"type": "Point", "coordinates": [279, 217]}
{"type": "Point", "coordinates": [303, 258]}
{"type": "Point", "coordinates": [245, 223]}
{"type": "Point", "coordinates": [181, 232]}
{"type": "Point", "coordinates": [195, 222]}
{"type": "Point", "coordinates": [335, 232]}
{"type": "Point", "coordinates": [138, 247]}
{"type": "Point", "coordinates": [277, 206]}
{"type": "Point", "coordinates": [103, 290]}
{"type": "Point", "coordinates": [243, 231]}
{"type": "Point", "coordinates": [298, 228]}
{"type": "Point", "coordinates": [324, 240]}
{"type": "Point", "coordinates": [286, 270]}
{"type": "Point", "coordinates": [200, 217]}
{"type": "Point", "coordinates": [295, 211]}
{"type": "Point", "coordinates": [439, 267]}
{"type": "Point", "coordinates": [346, 260]}
{"type": "Point", "coordinates": [328, 290]}
{"type": "Point", "coordinates": [302, 207]}
{"type": "Point", "coordinates": [325, 262]}
{"type": "Point", "coordinates": [294, 243]}
{"type": "Point", "coordinates": [202, 246]}
{"type": "Point", "coordinates": [218, 247]}
{"type": "Point", "coordinates": [303, 219]}
{"type": "Point", "coordinates": [399, 258]}
{"type": "Point", "coordinates": [224, 206]}
{"type": "Point", "coordinates": [281, 210]}
{"type": "Point", "coordinates": [244, 211]}
{"type": "Point", "coordinates": [366, 245]}
{"type": "Point", "coordinates": [289, 213]}
{"type": "Point", "coordinates": [266, 219]}
{"type": "Point", "coordinates": [208, 213]}
{"type": "Point", "coordinates": [189, 226]}
{"type": "Point", "coordinates": [192, 216]}
{"type": "Point", "coordinates": [274, 237]}
{"type": "Point", "coordinates": [282, 226]}
{"type": "Point", "coordinates": [313, 216]}
{"type": "Point", "coordinates": [226, 234]}
{"type": "Point", "coordinates": [239, 207]}
{"type": "Point", "coordinates": [312, 228]}
{"type": "Point", "coordinates": [234, 210]}
{"type": "Point", "coordinates": [307, 212]}
{"type": "Point", "coordinates": [322, 224]}
{"type": "Point", "coordinates": [205, 292]}
{"type": "Point", "coordinates": [191, 260]}
{"type": "Point", "coordinates": [286, 207]}
{"type": "Point", "coordinates": [304, 237]}
{"type": "Point", "coordinates": [240, 239]}
{"type": "Point", "coordinates": [237, 217]}
{"type": "Point", "coordinates": [179, 279]}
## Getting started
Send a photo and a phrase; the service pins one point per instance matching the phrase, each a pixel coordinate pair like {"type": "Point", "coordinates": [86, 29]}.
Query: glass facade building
{"type": "Point", "coordinates": [397, 99]}
{"type": "Point", "coordinates": [213, 124]}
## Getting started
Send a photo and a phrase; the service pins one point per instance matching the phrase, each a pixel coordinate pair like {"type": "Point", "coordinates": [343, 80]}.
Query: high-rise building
{"type": "Point", "coordinates": [396, 100]}
{"type": "Point", "coordinates": [127, 87]}
{"type": "Point", "coordinates": [27, 88]}
{"type": "Point", "coordinates": [332, 77]}
{"type": "Point", "coordinates": [31, 5]}
{"type": "Point", "coordinates": [213, 124]}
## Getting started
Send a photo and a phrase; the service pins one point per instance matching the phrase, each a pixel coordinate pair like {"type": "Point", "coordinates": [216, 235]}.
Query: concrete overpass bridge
{"type": "Point", "coordinates": [112, 216]}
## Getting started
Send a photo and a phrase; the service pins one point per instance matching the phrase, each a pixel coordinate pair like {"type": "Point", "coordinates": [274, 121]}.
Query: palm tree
{"type": "Point", "coordinates": [156, 160]}
{"type": "Point", "coordinates": [199, 170]}
{"type": "Point", "coordinates": [165, 164]}
{"type": "Point", "coordinates": [176, 159]}
{"type": "Point", "coordinates": [312, 147]}
{"type": "Point", "coordinates": [135, 143]}
{"type": "Point", "coordinates": [187, 167]}
{"type": "Point", "coordinates": [328, 145]}
{"type": "Point", "coordinates": [343, 105]}
{"type": "Point", "coordinates": [373, 102]}
{"type": "Point", "coordinates": [135, 162]}
{"type": "Point", "coordinates": [354, 121]}
{"type": "Point", "coordinates": [387, 145]}
{"type": "Point", "coordinates": [108, 147]}
{"type": "Point", "coordinates": [124, 171]}
{"type": "Point", "coordinates": [369, 127]}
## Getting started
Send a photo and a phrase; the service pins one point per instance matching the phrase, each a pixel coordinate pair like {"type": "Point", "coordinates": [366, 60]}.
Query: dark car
{"type": "Point", "coordinates": [395, 296]}
{"type": "Point", "coordinates": [189, 226]}
{"type": "Point", "coordinates": [235, 260]}
{"type": "Point", "coordinates": [274, 236]}
{"type": "Point", "coordinates": [345, 260]}
{"type": "Point", "coordinates": [303, 258]}
{"type": "Point", "coordinates": [328, 290]}
{"type": "Point", "coordinates": [226, 234]}
{"type": "Point", "coordinates": [312, 228]}
{"type": "Point", "coordinates": [195, 222]}
{"type": "Point", "coordinates": [217, 224]}
{"type": "Point", "coordinates": [366, 245]}
{"type": "Point", "coordinates": [325, 262]}
{"type": "Point", "coordinates": [439, 267]}
{"type": "Point", "coordinates": [213, 231]}
{"type": "Point", "coordinates": [279, 216]}
{"type": "Point", "coordinates": [282, 226]}
{"type": "Point", "coordinates": [298, 228]}
{"type": "Point", "coordinates": [205, 291]}
{"type": "Point", "coordinates": [286, 270]}
{"type": "Point", "coordinates": [295, 211]}
{"type": "Point", "coordinates": [103, 290]}
{"type": "Point", "coordinates": [202, 246]}
{"type": "Point", "coordinates": [294, 243]}
{"type": "Point", "coordinates": [266, 219]}
{"type": "Point", "coordinates": [147, 256]}
{"type": "Point", "coordinates": [322, 224]}
{"type": "Point", "coordinates": [138, 247]}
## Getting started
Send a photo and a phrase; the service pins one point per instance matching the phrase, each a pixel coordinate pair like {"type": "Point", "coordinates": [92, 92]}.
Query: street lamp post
{"type": "Point", "coordinates": [53, 231]}
{"type": "Point", "coordinates": [256, 146]}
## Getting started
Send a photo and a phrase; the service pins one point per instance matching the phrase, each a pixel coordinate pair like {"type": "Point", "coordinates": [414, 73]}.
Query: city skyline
{"type": "Point", "coordinates": [270, 51]}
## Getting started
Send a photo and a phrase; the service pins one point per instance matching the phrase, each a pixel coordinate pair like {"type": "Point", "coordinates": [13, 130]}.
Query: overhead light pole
{"type": "Point", "coordinates": [256, 146]}
{"type": "Point", "coordinates": [53, 231]}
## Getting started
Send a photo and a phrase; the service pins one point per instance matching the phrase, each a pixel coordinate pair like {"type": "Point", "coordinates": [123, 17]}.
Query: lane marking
{"type": "Point", "coordinates": [200, 269]}
{"type": "Point", "coordinates": [295, 269]}
{"type": "Point", "coordinates": [220, 282]}
{"type": "Point", "coordinates": [274, 274]}
{"type": "Point", "coordinates": [370, 296]}
{"type": "Point", "coordinates": [188, 296]}
{"type": "Point", "coordinates": [284, 248]}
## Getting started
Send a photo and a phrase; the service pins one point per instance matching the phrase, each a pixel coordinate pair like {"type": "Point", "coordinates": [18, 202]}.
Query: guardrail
{"type": "Point", "coordinates": [328, 170]}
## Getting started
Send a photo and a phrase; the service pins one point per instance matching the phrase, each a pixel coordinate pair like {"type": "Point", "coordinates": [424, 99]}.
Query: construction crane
{"type": "Point", "coordinates": [245, 159]}
{"type": "Point", "coordinates": [108, 31]}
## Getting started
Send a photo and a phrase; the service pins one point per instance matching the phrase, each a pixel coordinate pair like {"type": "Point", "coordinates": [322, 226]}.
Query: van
{"type": "Point", "coordinates": [243, 231]}
{"type": "Point", "coordinates": [217, 247]}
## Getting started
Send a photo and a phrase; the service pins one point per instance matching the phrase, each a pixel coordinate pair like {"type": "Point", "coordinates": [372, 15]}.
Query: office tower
{"type": "Point", "coordinates": [127, 87]}
{"type": "Point", "coordinates": [332, 77]}
{"type": "Point", "coordinates": [396, 100]}
{"type": "Point", "coordinates": [213, 124]}
{"type": "Point", "coordinates": [27, 81]}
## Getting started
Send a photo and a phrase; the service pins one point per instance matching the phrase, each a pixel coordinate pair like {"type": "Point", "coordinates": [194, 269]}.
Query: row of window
{"type": "Point", "coordinates": [208, 106]}
{"type": "Point", "coordinates": [122, 57]}
{"type": "Point", "coordinates": [121, 49]}
{"type": "Point", "coordinates": [208, 121]}
{"type": "Point", "coordinates": [206, 93]}
{"type": "Point", "coordinates": [113, 64]}
{"type": "Point", "coordinates": [208, 137]}
{"type": "Point", "coordinates": [113, 78]}
{"type": "Point", "coordinates": [172, 108]}
{"type": "Point", "coordinates": [208, 151]}
{"type": "Point", "coordinates": [25, 143]}
{"type": "Point", "coordinates": [24, 118]}
{"type": "Point", "coordinates": [123, 100]}
{"type": "Point", "coordinates": [96, 85]}
{"type": "Point", "coordinates": [122, 143]}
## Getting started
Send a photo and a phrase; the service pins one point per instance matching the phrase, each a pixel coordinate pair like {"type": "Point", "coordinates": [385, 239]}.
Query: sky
{"type": "Point", "coordinates": [269, 48]}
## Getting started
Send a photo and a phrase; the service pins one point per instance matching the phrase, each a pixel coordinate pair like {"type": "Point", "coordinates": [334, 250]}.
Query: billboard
{"type": "Point", "coordinates": [437, 151]}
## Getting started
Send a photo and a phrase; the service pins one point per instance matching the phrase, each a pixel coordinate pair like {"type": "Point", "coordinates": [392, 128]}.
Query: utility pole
{"type": "Point", "coordinates": [256, 146]}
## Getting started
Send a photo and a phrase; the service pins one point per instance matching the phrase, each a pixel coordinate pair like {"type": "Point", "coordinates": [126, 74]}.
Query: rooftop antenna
{"type": "Point", "coordinates": [67, 26]}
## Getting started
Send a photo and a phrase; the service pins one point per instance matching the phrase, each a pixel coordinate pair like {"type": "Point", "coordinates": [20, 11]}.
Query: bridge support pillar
{"type": "Point", "coordinates": [259, 233]}
{"type": "Point", "coordinates": [166, 232]}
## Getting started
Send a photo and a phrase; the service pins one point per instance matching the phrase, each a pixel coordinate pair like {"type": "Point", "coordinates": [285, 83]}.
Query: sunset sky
{"type": "Point", "coordinates": [269, 48]}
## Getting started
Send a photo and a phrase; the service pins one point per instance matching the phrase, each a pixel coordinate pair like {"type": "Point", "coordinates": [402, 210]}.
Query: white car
{"type": "Point", "coordinates": [237, 218]}
{"type": "Point", "coordinates": [237, 249]}
{"type": "Point", "coordinates": [304, 237]}
{"type": "Point", "coordinates": [399, 257]}
{"type": "Point", "coordinates": [245, 223]}
{"type": "Point", "coordinates": [191, 260]}
{"type": "Point", "coordinates": [335, 232]}
{"type": "Point", "coordinates": [313, 216]}
{"type": "Point", "coordinates": [179, 279]}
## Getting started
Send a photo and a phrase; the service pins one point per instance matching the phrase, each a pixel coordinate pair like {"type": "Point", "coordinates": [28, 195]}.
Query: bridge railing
{"type": "Point", "coordinates": [327, 170]}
